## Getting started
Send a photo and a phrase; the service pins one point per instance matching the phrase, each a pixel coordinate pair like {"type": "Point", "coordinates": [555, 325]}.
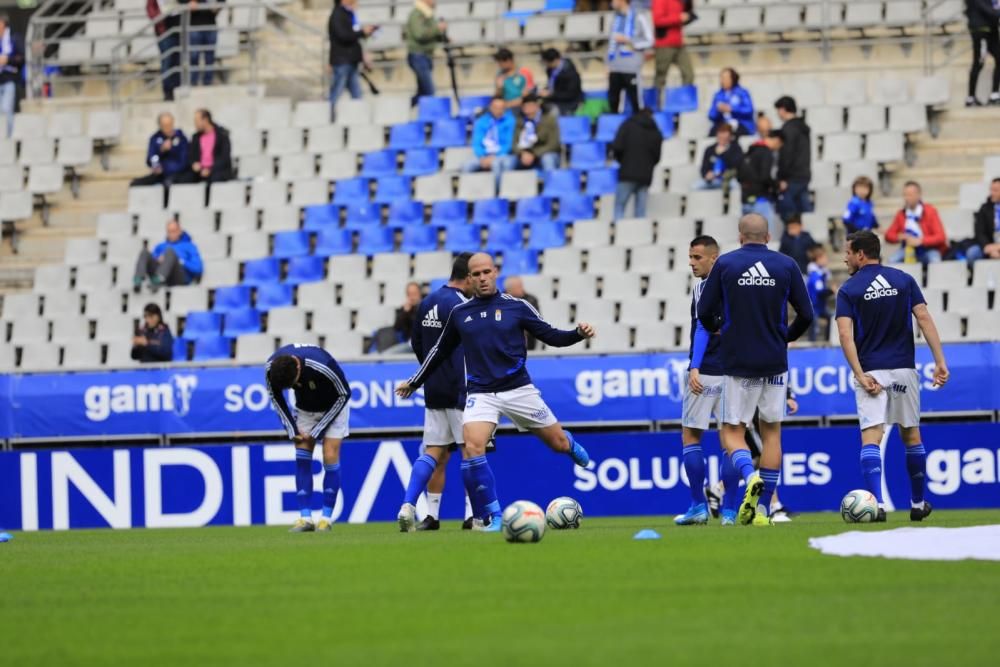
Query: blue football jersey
{"type": "Point", "coordinates": [322, 387]}
{"type": "Point", "coordinates": [445, 388]}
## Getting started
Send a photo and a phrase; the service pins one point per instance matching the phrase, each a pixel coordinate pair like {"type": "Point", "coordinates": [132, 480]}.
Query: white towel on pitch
{"type": "Point", "coordinates": [975, 542]}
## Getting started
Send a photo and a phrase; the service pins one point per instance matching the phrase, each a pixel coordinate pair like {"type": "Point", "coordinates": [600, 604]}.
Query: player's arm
{"type": "Point", "coordinates": [416, 340]}
{"type": "Point", "coordinates": [845, 330]}
{"type": "Point", "coordinates": [798, 296]}
{"type": "Point", "coordinates": [446, 344]}
{"type": "Point", "coordinates": [929, 329]}
{"type": "Point", "coordinates": [280, 405]}
{"type": "Point", "coordinates": [701, 338]}
{"type": "Point", "coordinates": [710, 302]}
{"type": "Point", "coordinates": [532, 322]}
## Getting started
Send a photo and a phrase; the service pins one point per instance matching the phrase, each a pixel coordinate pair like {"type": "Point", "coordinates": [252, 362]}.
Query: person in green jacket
{"type": "Point", "coordinates": [536, 138]}
{"type": "Point", "coordinates": [423, 33]}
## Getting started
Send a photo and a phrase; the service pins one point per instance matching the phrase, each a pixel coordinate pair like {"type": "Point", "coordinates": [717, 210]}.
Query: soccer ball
{"type": "Point", "coordinates": [563, 512]}
{"type": "Point", "coordinates": [523, 521]}
{"type": "Point", "coordinates": [859, 506]}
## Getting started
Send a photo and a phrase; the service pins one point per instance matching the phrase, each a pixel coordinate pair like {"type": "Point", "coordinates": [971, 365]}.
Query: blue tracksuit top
{"type": "Point", "coordinates": [705, 352]}
{"type": "Point", "coordinates": [492, 329]}
{"type": "Point", "coordinates": [322, 387]}
{"type": "Point", "coordinates": [748, 292]}
{"type": "Point", "coordinates": [445, 388]}
{"type": "Point", "coordinates": [741, 108]}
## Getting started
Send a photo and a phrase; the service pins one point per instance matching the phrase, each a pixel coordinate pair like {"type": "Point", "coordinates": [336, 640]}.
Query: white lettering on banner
{"type": "Point", "coordinates": [66, 469]}
{"type": "Point", "coordinates": [153, 462]}
{"type": "Point", "coordinates": [593, 386]}
{"type": "Point", "coordinates": [253, 397]}
{"type": "Point", "coordinates": [29, 491]}
{"type": "Point", "coordinates": [101, 401]}
{"type": "Point", "coordinates": [826, 380]}
{"type": "Point", "coordinates": [241, 485]}
{"type": "Point", "coordinates": [949, 469]}
{"type": "Point", "coordinates": [276, 486]}
{"type": "Point", "coordinates": [390, 452]}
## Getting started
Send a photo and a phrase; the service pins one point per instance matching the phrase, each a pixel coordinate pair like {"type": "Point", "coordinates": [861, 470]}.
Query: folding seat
{"type": "Point", "coordinates": [477, 186]}
{"type": "Point", "coordinates": [563, 261]}
{"type": "Point", "coordinates": [304, 270]}
{"type": "Point", "coordinates": [449, 132]}
{"type": "Point", "coordinates": [684, 99]}
{"type": "Point", "coordinates": [543, 235]}
{"type": "Point", "coordinates": [379, 163]}
{"type": "Point", "coordinates": [39, 356]}
{"type": "Point", "coordinates": [433, 188]}
{"type": "Point", "coordinates": [419, 238]}
{"type": "Point", "coordinates": [365, 138]}
{"type": "Point", "coordinates": [321, 216]}
{"type": "Point", "coordinates": [472, 105]}
{"type": "Point", "coordinates": [907, 118]}
{"type": "Point", "coordinates": [188, 298]}
{"type": "Point", "coordinates": [947, 274]}
{"type": "Point", "coordinates": [430, 109]}
{"type": "Point", "coordinates": [503, 235]}
{"type": "Point", "coordinates": [885, 147]}
{"type": "Point", "coordinates": [449, 212]}
{"type": "Point", "coordinates": [326, 139]}
{"type": "Point", "coordinates": [212, 348]}
{"type": "Point", "coordinates": [703, 204]}
{"type": "Point", "coordinates": [392, 188]}
{"type": "Point", "coordinates": [575, 207]}
{"type": "Point", "coordinates": [221, 272]}
{"type": "Point", "coordinates": [334, 241]}
{"type": "Point", "coordinates": [602, 181]}
{"type": "Point", "coordinates": [241, 322]}
{"type": "Point", "coordinates": [93, 278]}
{"type": "Point", "coordinates": [261, 271]}
{"type": "Point", "coordinates": [520, 262]}
{"type": "Point", "coordinates": [309, 114]}
{"type": "Point", "coordinates": [254, 348]}
{"type": "Point", "coordinates": [202, 324]}
{"type": "Point", "coordinates": [607, 127]}
{"type": "Point", "coordinates": [533, 209]}
{"type": "Point", "coordinates": [826, 119]}
{"type": "Point", "coordinates": [420, 162]}
{"type": "Point", "coordinates": [295, 167]}
{"type": "Point", "coordinates": [407, 135]}
{"type": "Point", "coordinates": [351, 190]}
{"type": "Point", "coordinates": [463, 237]}
{"type": "Point", "coordinates": [233, 297]}
{"type": "Point", "coordinates": [352, 112]}
{"type": "Point", "coordinates": [561, 182]}
{"type": "Point", "coordinates": [363, 214]}
{"type": "Point", "coordinates": [291, 244]}
{"type": "Point", "coordinates": [486, 211]}
{"type": "Point", "coordinates": [404, 212]}
{"type": "Point", "coordinates": [866, 119]}
{"type": "Point", "coordinates": [375, 239]}
{"type": "Point", "coordinates": [588, 155]}
{"type": "Point", "coordinates": [574, 129]}
{"type": "Point", "coordinates": [285, 141]}
{"type": "Point", "coordinates": [517, 184]}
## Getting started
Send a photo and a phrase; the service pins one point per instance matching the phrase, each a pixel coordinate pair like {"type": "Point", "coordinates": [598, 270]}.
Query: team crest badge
{"type": "Point", "coordinates": [312, 385]}
{"type": "Point", "coordinates": [496, 315]}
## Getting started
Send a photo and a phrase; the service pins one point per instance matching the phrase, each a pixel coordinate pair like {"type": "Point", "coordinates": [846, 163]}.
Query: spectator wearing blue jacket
{"type": "Point", "coordinates": [174, 262]}
{"type": "Point", "coordinates": [166, 155]}
{"type": "Point", "coordinates": [732, 105]}
{"type": "Point", "coordinates": [153, 342]}
{"type": "Point", "coordinates": [492, 138]}
{"type": "Point", "coordinates": [860, 212]}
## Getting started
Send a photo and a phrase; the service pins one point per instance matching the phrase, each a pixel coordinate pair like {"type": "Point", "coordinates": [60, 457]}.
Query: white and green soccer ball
{"type": "Point", "coordinates": [523, 521]}
{"type": "Point", "coordinates": [859, 506]}
{"type": "Point", "coordinates": [563, 512]}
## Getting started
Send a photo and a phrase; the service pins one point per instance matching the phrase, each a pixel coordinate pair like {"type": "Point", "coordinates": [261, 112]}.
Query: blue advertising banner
{"type": "Point", "coordinates": [630, 474]}
{"type": "Point", "coordinates": [603, 389]}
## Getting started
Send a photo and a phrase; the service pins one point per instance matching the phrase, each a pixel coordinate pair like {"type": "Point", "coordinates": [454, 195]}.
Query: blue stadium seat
{"type": "Point", "coordinates": [448, 133]}
{"type": "Point", "coordinates": [575, 207]}
{"type": "Point", "coordinates": [546, 235]}
{"type": "Point", "coordinates": [230, 298]}
{"type": "Point", "coordinates": [681, 99]}
{"type": "Point", "coordinates": [350, 190]}
{"type": "Point", "coordinates": [406, 136]}
{"type": "Point", "coordinates": [574, 129]}
{"type": "Point", "coordinates": [665, 122]}
{"type": "Point", "coordinates": [449, 212]}
{"type": "Point", "coordinates": [559, 5]}
{"type": "Point", "coordinates": [520, 262]}
{"type": "Point", "coordinates": [419, 238]}
{"type": "Point", "coordinates": [333, 242]}
{"type": "Point", "coordinates": [303, 270]}
{"type": "Point", "coordinates": [212, 348]}
{"type": "Point", "coordinates": [379, 163]}
{"type": "Point", "coordinates": [375, 239]}
{"type": "Point", "coordinates": [202, 324]}
{"type": "Point", "coordinates": [180, 349]}
{"type": "Point", "coordinates": [241, 322]}
{"type": "Point", "coordinates": [420, 162]}
{"type": "Point", "coordinates": [503, 236]}
{"type": "Point", "coordinates": [587, 155]}
{"type": "Point", "coordinates": [291, 244]}
{"type": "Point", "coordinates": [649, 101]}
{"type": "Point", "coordinates": [259, 271]}
{"type": "Point", "coordinates": [459, 238]}
{"type": "Point", "coordinates": [320, 217]}
{"type": "Point", "coordinates": [403, 213]}
{"type": "Point", "coordinates": [430, 109]}
{"type": "Point", "coordinates": [531, 209]}
{"type": "Point", "coordinates": [561, 182]}
{"type": "Point", "coordinates": [486, 211]}
{"type": "Point", "coordinates": [607, 126]}
{"type": "Point", "coordinates": [363, 214]}
{"type": "Point", "coordinates": [602, 181]}
{"type": "Point", "coordinates": [276, 295]}
{"type": "Point", "coordinates": [472, 105]}
{"type": "Point", "coordinates": [392, 188]}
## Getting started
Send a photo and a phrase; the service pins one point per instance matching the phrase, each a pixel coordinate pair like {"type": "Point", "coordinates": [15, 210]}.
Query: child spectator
{"type": "Point", "coordinates": [860, 212]}
{"type": "Point", "coordinates": [818, 286]}
{"type": "Point", "coordinates": [796, 242]}
{"type": "Point", "coordinates": [720, 161]}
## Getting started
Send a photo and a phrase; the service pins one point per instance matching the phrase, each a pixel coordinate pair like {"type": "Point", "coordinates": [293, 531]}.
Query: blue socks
{"type": "Point", "coordinates": [481, 487]}
{"type": "Point", "coordinates": [743, 463]}
{"type": "Point", "coordinates": [423, 468]}
{"type": "Point", "coordinates": [731, 480]}
{"type": "Point", "coordinates": [304, 482]}
{"type": "Point", "coordinates": [871, 469]}
{"type": "Point", "coordinates": [694, 466]}
{"type": "Point", "coordinates": [331, 487]}
{"type": "Point", "coordinates": [916, 463]}
{"type": "Point", "coordinates": [770, 478]}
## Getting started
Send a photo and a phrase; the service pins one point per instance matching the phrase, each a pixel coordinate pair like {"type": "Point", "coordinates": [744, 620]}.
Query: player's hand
{"type": "Point", "coordinates": [694, 381]}
{"type": "Point", "coordinates": [869, 384]}
{"type": "Point", "coordinates": [585, 330]}
{"type": "Point", "coordinates": [941, 375]}
{"type": "Point", "coordinates": [404, 390]}
{"type": "Point", "coordinates": [793, 406]}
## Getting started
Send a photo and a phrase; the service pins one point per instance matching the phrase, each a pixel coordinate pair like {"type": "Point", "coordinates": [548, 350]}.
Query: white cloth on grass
{"type": "Point", "coordinates": [975, 542]}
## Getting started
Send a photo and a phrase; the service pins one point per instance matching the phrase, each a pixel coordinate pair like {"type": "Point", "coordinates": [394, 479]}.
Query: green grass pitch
{"type": "Point", "coordinates": [368, 595]}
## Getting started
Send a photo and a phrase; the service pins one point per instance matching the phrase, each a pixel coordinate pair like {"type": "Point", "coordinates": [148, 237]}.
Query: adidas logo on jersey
{"type": "Point", "coordinates": [879, 288]}
{"type": "Point", "coordinates": [756, 276]}
{"type": "Point", "coordinates": [431, 318]}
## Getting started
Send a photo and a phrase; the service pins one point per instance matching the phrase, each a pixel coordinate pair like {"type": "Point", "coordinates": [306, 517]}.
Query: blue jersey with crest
{"type": "Point", "coordinates": [322, 387]}
{"type": "Point", "coordinates": [445, 388]}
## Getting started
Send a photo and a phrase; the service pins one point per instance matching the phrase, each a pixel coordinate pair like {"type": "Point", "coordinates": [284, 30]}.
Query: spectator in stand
{"type": "Point", "coordinates": [153, 342]}
{"type": "Point", "coordinates": [763, 126]}
{"type": "Point", "coordinates": [732, 104]}
{"type": "Point", "coordinates": [407, 313]}
{"type": "Point", "coordinates": [201, 41]}
{"type": "Point", "coordinates": [166, 155]}
{"type": "Point", "coordinates": [564, 91]}
{"type": "Point", "coordinates": [984, 27]}
{"type": "Point", "coordinates": [986, 242]}
{"type": "Point", "coordinates": [346, 55]}
{"type": "Point", "coordinates": [796, 243]}
{"type": "Point", "coordinates": [11, 62]}
{"type": "Point", "coordinates": [169, 41]}
{"type": "Point", "coordinates": [818, 286]}
{"type": "Point", "coordinates": [860, 212]}
{"type": "Point", "coordinates": [918, 228]}
{"type": "Point", "coordinates": [512, 82]}
{"type": "Point", "coordinates": [536, 138]}
{"type": "Point", "coordinates": [514, 286]}
{"type": "Point", "coordinates": [492, 138]}
{"type": "Point", "coordinates": [720, 162]}
{"type": "Point", "coordinates": [423, 33]}
{"type": "Point", "coordinates": [669, 19]}
{"type": "Point", "coordinates": [794, 161]}
{"type": "Point", "coordinates": [637, 148]}
{"type": "Point", "coordinates": [758, 183]}
{"type": "Point", "coordinates": [209, 154]}
{"type": "Point", "coordinates": [175, 261]}
{"type": "Point", "coordinates": [631, 35]}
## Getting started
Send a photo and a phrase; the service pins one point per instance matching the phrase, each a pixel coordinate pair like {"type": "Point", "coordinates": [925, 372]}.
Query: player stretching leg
{"type": "Point", "coordinates": [321, 396]}
{"type": "Point", "coordinates": [491, 329]}
{"type": "Point", "coordinates": [444, 398]}
{"type": "Point", "coordinates": [874, 311]}
{"type": "Point", "coordinates": [746, 297]}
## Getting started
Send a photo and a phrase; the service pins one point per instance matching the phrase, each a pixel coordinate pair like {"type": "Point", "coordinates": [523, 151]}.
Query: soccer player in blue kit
{"type": "Point", "coordinates": [875, 311]}
{"type": "Point", "coordinates": [746, 298]}
{"type": "Point", "coordinates": [491, 329]}
{"type": "Point", "coordinates": [323, 414]}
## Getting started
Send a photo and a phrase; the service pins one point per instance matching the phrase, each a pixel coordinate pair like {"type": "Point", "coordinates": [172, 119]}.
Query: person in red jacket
{"type": "Point", "coordinates": [669, 18]}
{"type": "Point", "coordinates": [917, 226]}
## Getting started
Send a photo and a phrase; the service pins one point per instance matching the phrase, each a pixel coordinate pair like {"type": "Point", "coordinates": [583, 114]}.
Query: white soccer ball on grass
{"type": "Point", "coordinates": [563, 512]}
{"type": "Point", "coordinates": [523, 521]}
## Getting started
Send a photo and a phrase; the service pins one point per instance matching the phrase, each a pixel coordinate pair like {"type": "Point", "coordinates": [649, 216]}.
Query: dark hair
{"type": "Point", "coordinates": [995, 180]}
{"type": "Point", "coordinates": [206, 114]}
{"type": "Point", "coordinates": [866, 242]}
{"type": "Point", "coordinates": [914, 184]}
{"type": "Point", "coordinates": [864, 180]}
{"type": "Point", "coordinates": [530, 97]}
{"type": "Point", "coordinates": [5, 18]}
{"type": "Point", "coordinates": [734, 75]}
{"type": "Point", "coordinates": [460, 267]}
{"type": "Point", "coordinates": [497, 97]}
{"type": "Point", "coordinates": [150, 308]}
{"type": "Point", "coordinates": [787, 103]}
{"type": "Point", "coordinates": [705, 240]}
{"type": "Point", "coordinates": [776, 134]}
{"type": "Point", "coordinates": [723, 127]}
{"type": "Point", "coordinates": [794, 219]}
{"type": "Point", "coordinates": [283, 372]}
{"type": "Point", "coordinates": [503, 55]}
{"type": "Point", "coordinates": [551, 55]}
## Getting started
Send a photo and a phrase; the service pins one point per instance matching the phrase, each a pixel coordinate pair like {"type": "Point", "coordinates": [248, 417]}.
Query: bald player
{"type": "Point", "coordinates": [491, 328]}
{"type": "Point", "coordinates": [746, 298]}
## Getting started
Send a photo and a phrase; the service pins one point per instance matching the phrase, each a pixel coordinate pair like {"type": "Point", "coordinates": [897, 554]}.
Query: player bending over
{"type": "Point", "coordinates": [321, 396]}
{"type": "Point", "coordinates": [491, 329]}
{"type": "Point", "coordinates": [874, 318]}
{"type": "Point", "coordinates": [746, 298]}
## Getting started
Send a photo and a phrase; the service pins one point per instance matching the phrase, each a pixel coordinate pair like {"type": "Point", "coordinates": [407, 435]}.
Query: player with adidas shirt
{"type": "Point", "coordinates": [875, 311]}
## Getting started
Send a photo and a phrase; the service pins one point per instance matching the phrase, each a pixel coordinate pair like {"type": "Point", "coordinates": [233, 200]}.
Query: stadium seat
{"type": "Point", "coordinates": [545, 235]}
{"type": "Point", "coordinates": [362, 214]}
{"type": "Point", "coordinates": [826, 119]}
{"type": "Point", "coordinates": [471, 105]}
{"type": "Point", "coordinates": [574, 129]}
{"type": "Point", "coordinates": [202, 324]}
{"type": "Point", "coordinates": [533, 209]}
{"type": "Point", "coordinates": [841, 147]}
{"type": "Point", "coordinates": [287, 321]}
{"type": "Point", "coordinates": [379, 163]}
{"type": "Point", "coordinates": [588, 155]}
{"type": "Point", "coordinates": [520, 262]}
{"type": "Point", "coordinates": [430, 109]}
{"type": "Point", "coordinates": [212, 348]}
{"type": "Point", "coordinates": [304, 270]}
{"type": "Point", "coordinates": [908, 118]}
{"type": "Point", "coordinates": [284, 141]}
{"type": "Point", "coordinates": [291, 244]}
{"type": "Point", "coordinates": [949, 274]}
{"type": "Point", "coordinates": [93, 278]}
{"type": "Point", "coordinates": [254, 348]}
{"type": "Point", "coordinates": [327, 140]}
{"type": "Point", "coordinates": [241, 322]}
{"type": "Point", "coordinates": [351, 190]}
{"type": "Point", "coordinates": [575, 207]}
{"type": "Point", "coordinates": [276, 295]}
{"type": "Point", "coordinates": [665, 122]}
{"type": "Point", "coordinates": [591, 234]}
{"type": "Point", "coordinates": [519, 183]}
{"type": "Point", "coordinates": [407, 136]}
{"type": "Point", "coordinates": [333, 241]}
{"type": "Point", "coordinates": [487, 211]}
{"type": "Point", "coordinates": [233, 297]}
{"type": "Point", "coordinates": [281, 218]}
{"type": "Point", "coordinates": [391, 267]}
{"type": "Point", "coordinates": [403, 213]}
{"type": "Point", "coordinates": [420, 162]}
{"type": "Point", "coordinates": [323, 216]}
{"type": "Point", "coordinates": [634, 232]}
{"type": "Point", "coordinates": [449, 212]}
{"type": "Point", "coordinates": [433, 188]}
{"type": "Point", "coordinates": [602, 181]}
{"type": "Point", "coordinates": [419, 238]}
{"type": "Point", "coordinates": [961, 300]}
{"type": "Point", "coordinates": [607, 259]}
{"type": "Point", "coordinates": [375, 239]}
{"type": "Point", "coordinates": [261, 271]}
{"type": "Point", "coordinates": [986, 273]}
{"type": "Point", "coordinates": [431, 265]}
{"type": "Point", "coordinates": [681, 99]}
{"type": "Point", "coordinates": [607, 127]}
{"type": "Point", "coordinates": [448, 132]}
{"type": "Point", "coordinates": [392, 188]}
{"type": "Point", "coordinates": [463, 237]}
{"type": "Point", "coordinates": [477, 186]}
{"type": "Point", "coordinates": [503, 236]}
{"type": "Point", "coordinates": [885, 147]}
{"type": "Point", "coordinates": [561, 182]}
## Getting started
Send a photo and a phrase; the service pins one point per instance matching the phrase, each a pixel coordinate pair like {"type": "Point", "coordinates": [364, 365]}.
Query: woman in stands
{"type": "Point", "coordinates": [732, 105]}
{"type": "Point", "coordinates": [153, 342]}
